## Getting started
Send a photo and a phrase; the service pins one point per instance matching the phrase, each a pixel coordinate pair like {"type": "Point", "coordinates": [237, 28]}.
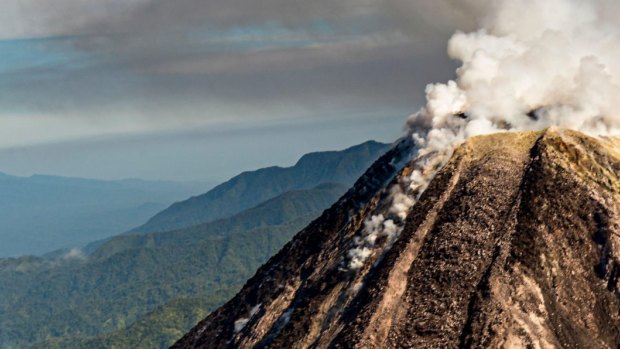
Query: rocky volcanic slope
{"type": "Point", "coordinates": [515, 244]}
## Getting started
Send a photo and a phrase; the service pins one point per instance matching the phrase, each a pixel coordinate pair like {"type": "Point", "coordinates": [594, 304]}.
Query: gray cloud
{"type": "Point", "coordinates": [69, 17]}
{"type": "Point", "coordinates": [161, 63]}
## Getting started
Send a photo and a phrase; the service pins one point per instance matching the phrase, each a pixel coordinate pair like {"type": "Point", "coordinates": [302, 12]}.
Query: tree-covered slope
{"type": "Point", "coordinates": [130, 276]}
{"type": "Point", "coordinates": [157, 329]}
{"type": "Point", "coordinates": [250, 188]}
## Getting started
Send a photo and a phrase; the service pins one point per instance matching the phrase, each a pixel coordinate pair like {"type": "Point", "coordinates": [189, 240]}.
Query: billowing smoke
{"type": "Point", "coordinates": [533, 64]}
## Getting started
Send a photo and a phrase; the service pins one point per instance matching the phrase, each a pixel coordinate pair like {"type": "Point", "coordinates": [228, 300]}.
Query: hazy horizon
{"type": "Point", "coordinates": [141, 89]}
{"type": "Point", "coordinates": [201, 155]}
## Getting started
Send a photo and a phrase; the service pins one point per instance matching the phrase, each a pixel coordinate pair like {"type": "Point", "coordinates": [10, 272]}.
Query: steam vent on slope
{"type": "Point", "coordinates": [515, 243]}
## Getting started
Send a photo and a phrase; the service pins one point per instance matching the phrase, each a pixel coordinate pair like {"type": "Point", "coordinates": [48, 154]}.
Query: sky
{"type": "Point", "coordinates": [204, 89]}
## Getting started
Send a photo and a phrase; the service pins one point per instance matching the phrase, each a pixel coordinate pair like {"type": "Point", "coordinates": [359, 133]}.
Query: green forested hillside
{"type": "Point", "coordinates": [130, 276]}
{"type": "Point", "coordinates": [157, 329]}
{"type": "Point", "coordinates": [146, 288]}
{"type": "Point", "coordinates": [251, 188]}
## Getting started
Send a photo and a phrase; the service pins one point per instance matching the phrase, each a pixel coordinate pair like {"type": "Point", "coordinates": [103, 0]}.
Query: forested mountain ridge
{"type": "Point", "coordinates": [251, 188]}
{"type": "Point", "coordinates": [106, 298]}
{"type": "Point", "coordinates": [132, 275]}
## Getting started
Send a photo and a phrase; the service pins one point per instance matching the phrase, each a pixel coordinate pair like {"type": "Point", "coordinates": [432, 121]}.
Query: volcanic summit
{"type": "Point", "coordinates": [513, 243]}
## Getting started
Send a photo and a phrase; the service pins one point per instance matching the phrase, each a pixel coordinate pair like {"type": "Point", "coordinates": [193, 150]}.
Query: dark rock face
{"type": "Point", "coordinates": [514, 244]}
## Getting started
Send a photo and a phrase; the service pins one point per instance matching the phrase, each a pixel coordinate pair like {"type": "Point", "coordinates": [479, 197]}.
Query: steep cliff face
{"type": "Point", "coordinates": [515, 243]}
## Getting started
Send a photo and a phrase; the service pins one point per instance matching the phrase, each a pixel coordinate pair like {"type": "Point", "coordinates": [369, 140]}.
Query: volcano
{"type": "Point", "coordinates": [514, 243]}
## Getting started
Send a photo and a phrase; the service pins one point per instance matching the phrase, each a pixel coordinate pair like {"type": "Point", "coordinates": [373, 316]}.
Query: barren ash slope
{"type": "Point", "coordinates": [515, 243]}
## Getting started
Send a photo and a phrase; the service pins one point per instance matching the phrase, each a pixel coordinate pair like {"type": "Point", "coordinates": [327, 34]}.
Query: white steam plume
{"type": "Point", "coordinates": [533, 64]}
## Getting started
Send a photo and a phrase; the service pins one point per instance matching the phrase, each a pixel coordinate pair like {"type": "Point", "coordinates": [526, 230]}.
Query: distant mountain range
{"type": "Point", "coordinates": [43, 213]}
{"type": "Point", "coordinates": [145, 290]}
{"type": "Point", "coordinates": [251, 188]}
